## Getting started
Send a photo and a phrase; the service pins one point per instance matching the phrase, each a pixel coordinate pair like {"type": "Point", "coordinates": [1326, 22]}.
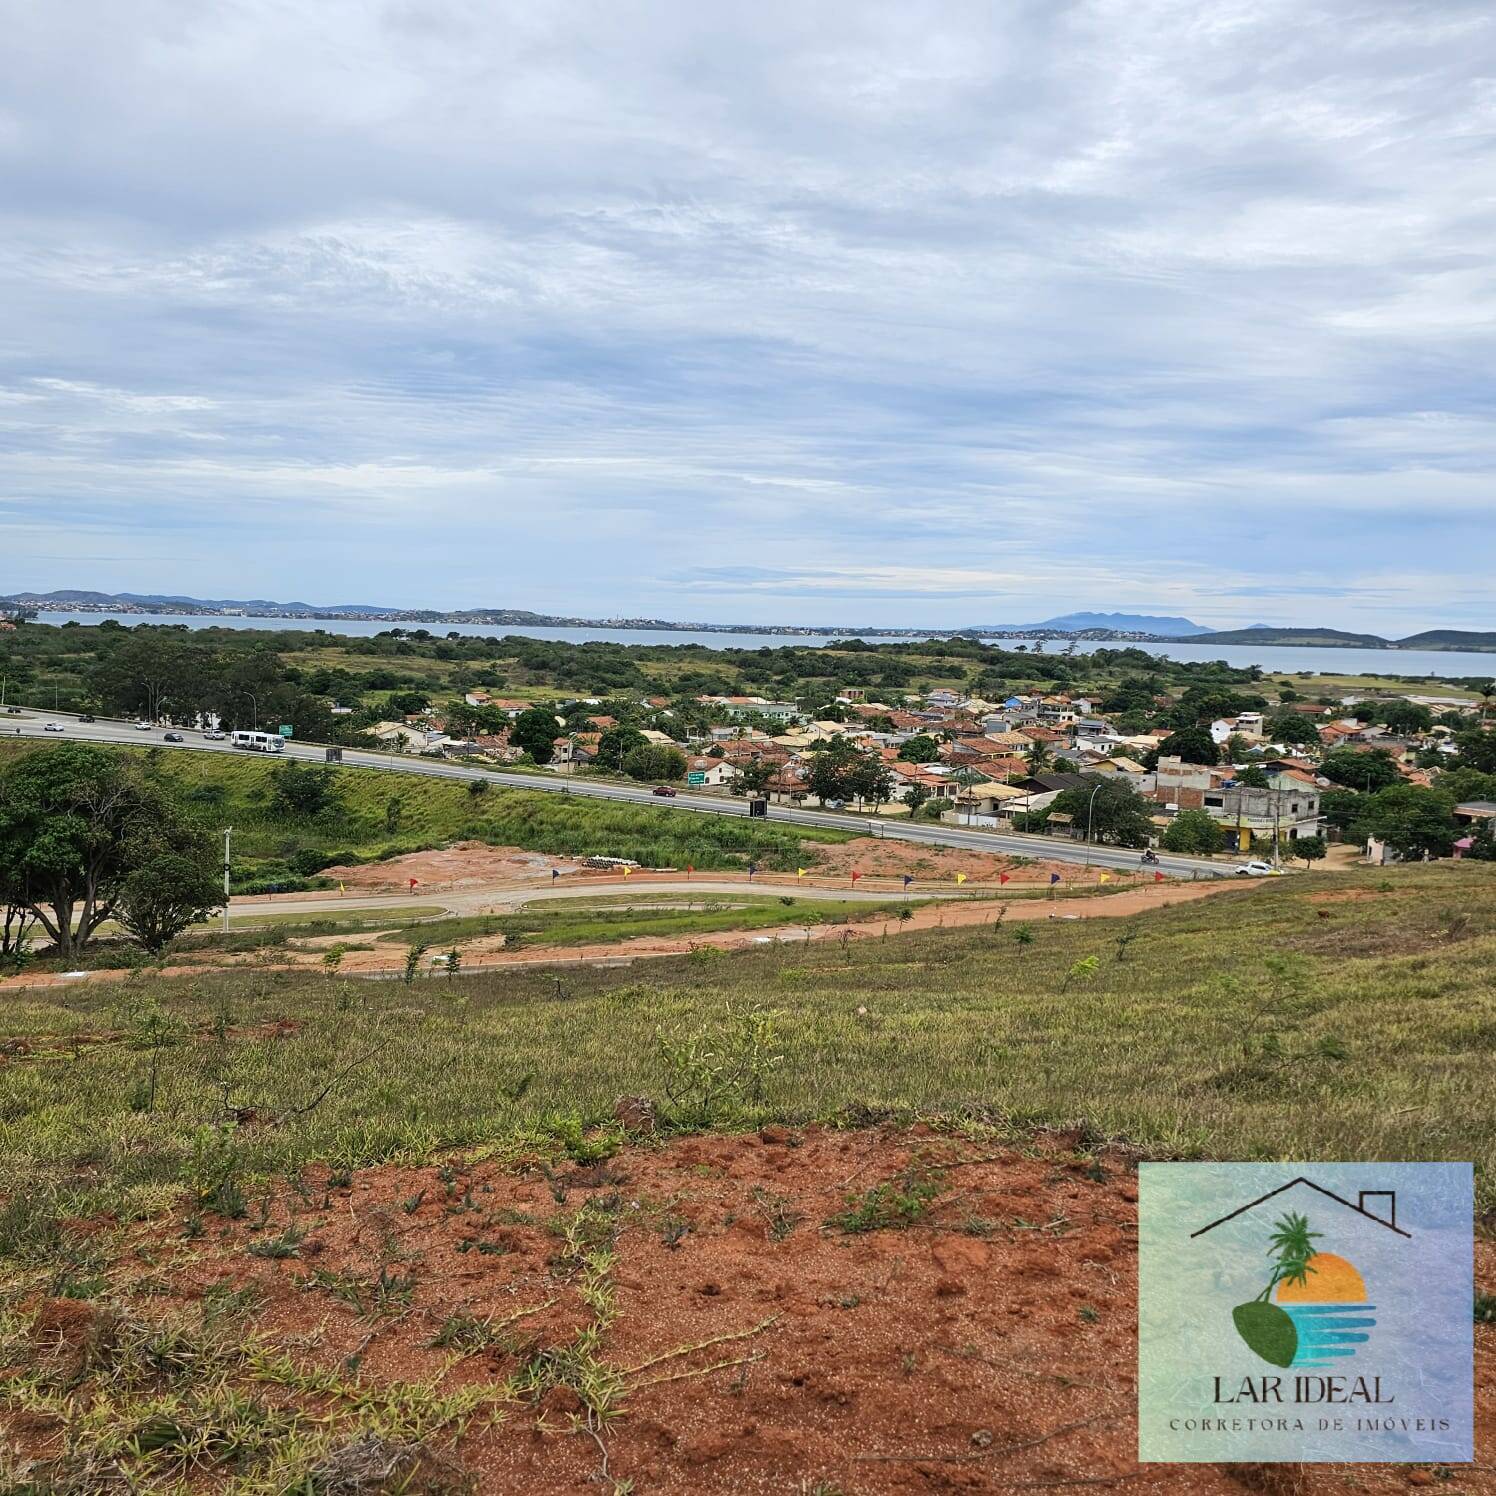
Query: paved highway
{"type": "Point", "coordinates": [33, 724]}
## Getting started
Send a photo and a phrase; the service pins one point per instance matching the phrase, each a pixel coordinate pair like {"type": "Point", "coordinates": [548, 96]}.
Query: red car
{"type": "Point", "coordinates": [664, 789]}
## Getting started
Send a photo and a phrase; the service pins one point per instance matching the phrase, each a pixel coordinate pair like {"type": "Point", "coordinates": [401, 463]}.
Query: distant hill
{"type": "Point", "coordinates": [1130, 623]}
{"type": "Point", "coordinates": [1303, 636]}
{"type": "Point", "coordinates": [61, 598]}
{"type": "Point", "coordinates": [1448, 639]}
{"type": "Point", "coordinates": [1075, 623]}
{"type": "Point", "coordinates": [1444, 639]}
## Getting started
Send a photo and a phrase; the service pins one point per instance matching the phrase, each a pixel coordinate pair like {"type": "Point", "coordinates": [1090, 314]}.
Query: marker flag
{"type": "Point", "coordinates": [1054, 878]}
{"type": "Point", "coordinates": [1105, 878]}
{"type": "Point", "coordinates": [625, 870]}
{"type": "Point", "coordinates": [690, 868]}
{"type": "Point", "coordinates": [752, 869]}
{"type": "Point", "coordinates": [907, 880]}
{"type": "Point", "coordinates": [341, 889]}
{"type": "Point", "coordinates": [855, 875]}
{"type": "Point", "coordinates": [554, 874]}
{"type": "Point", "coordinates": [960, 878]}
{"type": "Point", "coordinates": [1002, 877]}
{"type": "Point", "coordinates": [799, 872]}
{"type": "Point", "coordinates": [1158, 877]}
{"type": "Point", "coordinates": [414, 881]}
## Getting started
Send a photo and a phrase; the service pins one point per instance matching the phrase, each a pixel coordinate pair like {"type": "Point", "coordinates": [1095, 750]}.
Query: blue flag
{"type": "Point", "coordinates": [1054, 877]}
{"type": "Point", "coordinates": [907, 880]}
{"type": "Point", "coordinates": [752, 869]}
{"type": "Point", "coordinates": [554, 875]}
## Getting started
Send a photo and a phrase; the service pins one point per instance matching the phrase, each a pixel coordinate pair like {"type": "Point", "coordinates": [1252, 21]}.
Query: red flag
{"type": "Point", "coordinates": [690, 868]}
{"type": "Point", "coordinates": [1002, 877]}
{"type": "Point", "coordinates": [414, 881]}
{"type": "Point", "coordinates": [1158, 877]}
{"type": "Point", "coordinates": [855, 875]}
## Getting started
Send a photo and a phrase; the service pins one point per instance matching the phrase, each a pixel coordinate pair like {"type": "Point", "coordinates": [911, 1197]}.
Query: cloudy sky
{"type": "Point", "coordinates": [837, 312]}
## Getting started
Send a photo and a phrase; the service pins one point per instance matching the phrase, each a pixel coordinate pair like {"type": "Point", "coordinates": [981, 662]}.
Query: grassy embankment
{"type": "Point", "coordinates": [272, 848]}
{"type": "Point", "coordinates": [1264, 1022]}
{"type": "Point", "coordinates": [1311, 1018]}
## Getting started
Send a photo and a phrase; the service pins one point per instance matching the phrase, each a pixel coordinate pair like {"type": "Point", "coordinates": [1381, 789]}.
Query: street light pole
{"type": "Point", "coordinates": [1090, 806]}
{"type": "Point", "coordinates": [228, 832]}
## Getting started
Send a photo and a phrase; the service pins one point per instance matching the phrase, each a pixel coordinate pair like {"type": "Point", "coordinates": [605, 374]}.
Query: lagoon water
{"type": "Point", "coordinates": [1277, 659]}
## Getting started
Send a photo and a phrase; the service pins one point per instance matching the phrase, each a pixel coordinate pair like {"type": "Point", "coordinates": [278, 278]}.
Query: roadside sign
{"type": "Point", "coordinates": [285, 729]}
{"type": "Point", "coordinates": [697, 776]}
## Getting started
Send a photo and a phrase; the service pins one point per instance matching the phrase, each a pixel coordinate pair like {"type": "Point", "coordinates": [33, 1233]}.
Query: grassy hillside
{"type": "Point", "coordinates": [272, 846]}
{"type": "Point", "coordinates": [1319, 1017]}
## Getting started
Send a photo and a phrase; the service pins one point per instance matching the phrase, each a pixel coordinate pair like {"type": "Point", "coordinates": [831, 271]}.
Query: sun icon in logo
{"type": "Point", "coordinates": [1315, 1310]}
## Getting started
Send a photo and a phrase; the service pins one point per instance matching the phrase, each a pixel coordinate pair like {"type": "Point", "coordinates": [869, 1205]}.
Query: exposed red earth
{"type": "Point", "coordinates": [761, 1343]}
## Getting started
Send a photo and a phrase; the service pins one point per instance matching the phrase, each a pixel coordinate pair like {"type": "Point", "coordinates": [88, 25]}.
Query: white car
{"type": "Point", "coordinates": [142, 727]}
{"type": "Point", "coordinates": [213, 735]}
{"type": "Point", "coordinates": [53, 727]}
{"type": "Point", "coordinates": [1256, 870]}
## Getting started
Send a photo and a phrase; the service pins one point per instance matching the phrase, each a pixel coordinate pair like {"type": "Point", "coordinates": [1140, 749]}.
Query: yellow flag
{"type": "Point", "coordinates": [960, 877]}
{"type": "Point", "coordinates": [1105, 878]}
{"type": "Point", "coordinates": [625, 872]}
{"type": "Point", "coordinates": [799, 872]}
{"type": "Point", "coordinates": [341, 889]}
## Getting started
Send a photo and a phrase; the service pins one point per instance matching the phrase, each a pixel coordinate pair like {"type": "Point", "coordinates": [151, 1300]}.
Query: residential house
{"type": "Point", "coordinates": [709, 773]}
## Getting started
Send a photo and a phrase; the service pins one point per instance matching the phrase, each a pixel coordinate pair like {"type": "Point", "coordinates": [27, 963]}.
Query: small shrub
{"type": "Point", "coordinates": [893, 1205]}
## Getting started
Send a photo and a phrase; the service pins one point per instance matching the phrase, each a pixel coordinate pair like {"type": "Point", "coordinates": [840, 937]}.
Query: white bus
{"type": "Point", "coordinates": [260, 742]}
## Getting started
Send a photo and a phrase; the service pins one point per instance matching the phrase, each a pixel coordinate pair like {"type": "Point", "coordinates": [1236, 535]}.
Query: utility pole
{"type": "Point", "coordinates": [1090, 806]}
{"type": "Point", "coordinates": [228, 832]}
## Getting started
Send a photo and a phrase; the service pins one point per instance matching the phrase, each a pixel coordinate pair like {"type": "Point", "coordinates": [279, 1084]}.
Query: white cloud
{"type": "Point", "coordinates": [1067, 302]}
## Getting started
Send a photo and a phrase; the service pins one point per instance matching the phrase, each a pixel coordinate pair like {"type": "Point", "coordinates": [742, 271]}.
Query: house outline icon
{"type": "Point", "coordinates": [1388, 1221]}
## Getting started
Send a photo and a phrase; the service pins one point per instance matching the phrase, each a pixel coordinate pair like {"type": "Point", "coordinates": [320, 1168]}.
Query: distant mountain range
{"type": "Point", "coordinates": [1122, 623]}
{"type": "Point", "coordinates": [1122, 627]}
{"type": "Point", "coordinates": [1442, 639]}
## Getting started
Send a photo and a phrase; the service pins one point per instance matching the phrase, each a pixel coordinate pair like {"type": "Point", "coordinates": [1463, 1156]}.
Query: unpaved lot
{"type": "Point", "coordinates": [742, 1320]}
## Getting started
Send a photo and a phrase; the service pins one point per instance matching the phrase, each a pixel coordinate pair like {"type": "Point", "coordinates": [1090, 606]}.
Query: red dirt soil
{"type": "Point", "coordinates": [989, 1347]}
{"type": "Point", "coordinates": [475, 865]}
{"type": "Point", "coordinates": [467, 864]}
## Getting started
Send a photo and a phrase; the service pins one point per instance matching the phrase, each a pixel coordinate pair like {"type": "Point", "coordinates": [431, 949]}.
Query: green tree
{"type": "Point", "coordinates": [921, 749]}
{"type": "Point", "coordinates": [1405, 718]}
{"type": "Point", "coordinates": [1293, 729]}
{"type": "Point", "coordinates": [1477, 750]}
{"type": "Point", "coordinates": [871, 780]}
{"type": "Point", "coordinates": [1193, 831]}
{"type": "Point", "coordinates": [616, 743]}
{"type": "Point", "coordinates": [300, 793]}
{"type": "Point", "coordinates": [172, 880]}
{"type": "Point", "coordinates": [1413, 821]}
{"type": "Point", "coordinates": [75, 823]}
{"type": "Point", "coordinates": [1115, 812]}
{"type": "Point", "coordinates": [1254, 777]}
{"type": "Point", "coordinates": [1340, 807]}
{"type": "Point", "coordinates": [1192, 744]}
{"type": "Point", "coordinates": [1308, 848]}
{"type": "Point", "coordinates": [534, 732]}
{"type": "Point", "coordinates": [753, 777]}
{"type": "Point", "coordinates": [654, 761]}
{"type": "Point", "coordinates": [1360, 769]}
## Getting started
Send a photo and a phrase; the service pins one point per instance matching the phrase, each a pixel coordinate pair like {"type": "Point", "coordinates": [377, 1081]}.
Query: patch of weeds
{"type": "Point", "coordinates": [893, 1205]}
{"type": "Point", "coordinates": [412, 1203]}
{"type": "Point", "coordinates": [214, 1172]}
{"type": "Point", "coordinates": [369, 1298]}
{"type": "Point", "coordinates": [1485, 1308]}
{"type": "Point", "coordinates": [713, 1071]}
{"type": "Point", "coordinates": [224, 1301]}
{"type": "Point", "coordinates": [674, 1230]}
{"type": "Point", "coordinates": [1089, 1315]}
{"type": "Point", "coordinates": [287, 1244]}
{"type": "Point", "coordinates": [780, 1216]}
